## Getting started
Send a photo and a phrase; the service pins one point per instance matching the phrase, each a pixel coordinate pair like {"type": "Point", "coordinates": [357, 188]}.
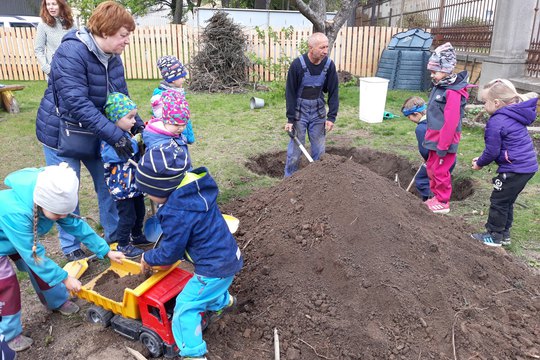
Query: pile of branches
{"type": "Point", "coordinates": [221, 64]}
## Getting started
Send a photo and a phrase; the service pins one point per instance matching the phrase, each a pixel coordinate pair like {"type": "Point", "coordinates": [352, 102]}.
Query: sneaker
{"type": "Point", "coordinates": [76, 255]}
{"type": "Point", "coordinates": [140, 240]}
{"type": "Point", "coordinates": [438, 207]}
{"type": "Point", "coordinates": [20, 343]}
{"type": "Point", "coordinates": [69, 308]}
{"type": "Point", "coordinates": [216, 315]}
{"type": "Point", "coordinates": [506, 240]}
{"type": "Point", "coordinates": [430, 200]}
{"type": "Point", "coordinates": [129, 251]}
{"type": "Point", "coordinates": [487, 239]}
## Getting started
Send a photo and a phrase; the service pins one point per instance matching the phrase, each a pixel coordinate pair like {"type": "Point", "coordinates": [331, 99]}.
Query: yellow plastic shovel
{"type": "Point", "coordinates": [78, 267]}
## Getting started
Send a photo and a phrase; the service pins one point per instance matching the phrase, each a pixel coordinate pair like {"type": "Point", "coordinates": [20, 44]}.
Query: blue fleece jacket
{"type": "Point", "coordinates": [17, 221]}
{"type": "Point", "coordinates": [507, 139]}
{"type": "Point", "coordinates": [194, 229]}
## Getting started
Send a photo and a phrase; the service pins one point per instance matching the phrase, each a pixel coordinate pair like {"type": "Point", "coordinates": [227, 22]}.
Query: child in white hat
{"type": "Point", "coordinates": [35, 200]}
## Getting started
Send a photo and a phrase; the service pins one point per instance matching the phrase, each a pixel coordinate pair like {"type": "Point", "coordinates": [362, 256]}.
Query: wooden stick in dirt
{"type": "Point", "coordinates": [276, 345]}
{"type": "Point", "coordinates": [414, 177]}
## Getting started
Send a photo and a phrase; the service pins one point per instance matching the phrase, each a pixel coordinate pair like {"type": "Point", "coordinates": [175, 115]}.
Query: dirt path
{"type": "Point", "coordinates": [346, 265]}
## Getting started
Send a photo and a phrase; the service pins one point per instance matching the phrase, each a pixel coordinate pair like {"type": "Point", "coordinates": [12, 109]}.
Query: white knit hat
{"type": "Point", "coordinates": [57, 189]}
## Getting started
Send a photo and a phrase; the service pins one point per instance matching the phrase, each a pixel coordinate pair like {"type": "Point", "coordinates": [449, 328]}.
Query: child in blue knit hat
{"type": "Point", "coordinates": [174, 74]}
{"type": "Point", "coordinates": [195, 230]}
{"type": "Point", "coordinates": [120, 178]}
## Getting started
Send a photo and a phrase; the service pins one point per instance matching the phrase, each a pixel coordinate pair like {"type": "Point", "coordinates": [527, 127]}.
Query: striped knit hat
{"type": "Point", "coordinates": [161, 170]}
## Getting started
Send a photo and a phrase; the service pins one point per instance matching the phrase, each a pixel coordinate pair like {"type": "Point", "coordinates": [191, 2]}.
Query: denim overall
{"type": "Point", "coordinates": [310, 116]}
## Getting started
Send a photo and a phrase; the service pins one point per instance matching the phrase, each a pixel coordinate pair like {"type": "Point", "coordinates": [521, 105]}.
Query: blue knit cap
{"type": "Point", "coordinates": [117, 106]}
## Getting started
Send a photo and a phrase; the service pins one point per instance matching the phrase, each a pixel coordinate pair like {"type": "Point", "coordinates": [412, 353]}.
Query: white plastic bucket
{"type": "Point", "coordinates": [372, 99]}
{"type": "Point", "coordinates": [256, 103]}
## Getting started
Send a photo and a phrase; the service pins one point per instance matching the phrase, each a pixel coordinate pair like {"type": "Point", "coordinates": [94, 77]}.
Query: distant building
{"type": "Point", "coordinates": [19, 7]}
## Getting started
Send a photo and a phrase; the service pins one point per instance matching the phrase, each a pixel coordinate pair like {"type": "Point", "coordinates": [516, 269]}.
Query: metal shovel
{"type": "Point", "coordinates": [299, 144]}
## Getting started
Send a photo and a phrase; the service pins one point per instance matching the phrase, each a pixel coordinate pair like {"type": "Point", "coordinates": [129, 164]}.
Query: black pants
{"type": "Point", "coordinates": [506, 188]}
{"type": "Point", "coordinates": [130, 219]}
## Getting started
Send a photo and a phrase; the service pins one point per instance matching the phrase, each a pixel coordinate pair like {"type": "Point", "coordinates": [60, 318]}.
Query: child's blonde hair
{"type": "Point", "coordinates": [505, 91]}
{"type": "Point", "coordinates": [414, 104]}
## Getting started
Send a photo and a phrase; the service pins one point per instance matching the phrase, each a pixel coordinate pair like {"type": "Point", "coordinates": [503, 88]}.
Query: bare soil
{"type": "Point", "coordinates": [345, 265]}
{"type": "Point", "coordinates": [112, 286]}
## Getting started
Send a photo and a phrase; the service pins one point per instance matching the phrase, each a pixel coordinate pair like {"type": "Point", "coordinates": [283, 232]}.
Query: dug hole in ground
{"type": "Point", "coordinates": [346, 265]}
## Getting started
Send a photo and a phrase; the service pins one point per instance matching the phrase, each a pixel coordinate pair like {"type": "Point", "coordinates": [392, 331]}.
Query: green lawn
{"type": "Point", "coordinates": [228, 133]}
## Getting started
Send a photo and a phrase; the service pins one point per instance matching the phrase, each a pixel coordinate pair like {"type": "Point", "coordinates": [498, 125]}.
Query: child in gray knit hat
{"type": "Point", "coordinates": [445, 109]}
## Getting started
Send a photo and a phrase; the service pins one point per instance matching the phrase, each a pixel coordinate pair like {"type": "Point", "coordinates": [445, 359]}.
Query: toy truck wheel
{"type": "Point", "coordinates": [98, 315]}
{"type": "Point", "coordinates": [152, 342]}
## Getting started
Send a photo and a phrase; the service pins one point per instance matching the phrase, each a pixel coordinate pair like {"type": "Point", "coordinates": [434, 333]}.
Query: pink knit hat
{"type": "Point", "coordinates": [175, 108]}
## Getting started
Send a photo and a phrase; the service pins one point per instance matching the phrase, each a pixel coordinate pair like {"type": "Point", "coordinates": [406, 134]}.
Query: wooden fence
{"type": "Point", "coordinates": [356, 50]}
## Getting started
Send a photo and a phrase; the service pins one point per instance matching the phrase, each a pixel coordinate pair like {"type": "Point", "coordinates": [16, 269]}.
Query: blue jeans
{"type": "Point", "coordinates": [199, 295]}
{"type": "Point", "coordinates": [108, 215]}
{"type": "Point", "coordinates": [310, 122]}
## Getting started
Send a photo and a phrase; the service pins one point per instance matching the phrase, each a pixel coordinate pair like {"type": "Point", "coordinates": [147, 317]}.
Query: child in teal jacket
{"type": "Point", "coordinates": [35, 201]}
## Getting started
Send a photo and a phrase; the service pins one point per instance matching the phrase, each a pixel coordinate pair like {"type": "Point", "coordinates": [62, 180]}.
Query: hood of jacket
{"type": "Point", "coordinates": [87, 39]}
{"type": "Point", "coordinates": [523, 112]}
{"type": "Point", "coordinates": [199, 195]}
{"type": "Point", "coordinates": [22, 183]}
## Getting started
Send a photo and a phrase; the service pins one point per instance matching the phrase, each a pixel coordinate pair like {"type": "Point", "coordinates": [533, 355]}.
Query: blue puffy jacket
{"type": "Point", "coordinates": [83, 76]}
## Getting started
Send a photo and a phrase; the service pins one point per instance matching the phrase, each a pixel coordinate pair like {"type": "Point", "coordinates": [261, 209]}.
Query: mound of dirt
{"type": "Point", "coordinates": [346, 265]}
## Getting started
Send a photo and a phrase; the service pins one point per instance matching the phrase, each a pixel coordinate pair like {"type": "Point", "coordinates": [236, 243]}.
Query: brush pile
{"type": "Point", "coordinates": [221, 64]}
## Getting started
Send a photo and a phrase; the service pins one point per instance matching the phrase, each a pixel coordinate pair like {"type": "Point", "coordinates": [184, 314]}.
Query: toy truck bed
{"type": "Point", "coordinates": [129, 307]}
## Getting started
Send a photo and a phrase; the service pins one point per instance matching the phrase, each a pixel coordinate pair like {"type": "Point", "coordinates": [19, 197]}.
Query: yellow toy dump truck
{"type": "Point", "coordinates": [145, 313]}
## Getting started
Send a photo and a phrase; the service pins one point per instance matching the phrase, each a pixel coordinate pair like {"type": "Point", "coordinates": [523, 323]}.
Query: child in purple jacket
{"type": "Point", "coordinates": [509, 145]}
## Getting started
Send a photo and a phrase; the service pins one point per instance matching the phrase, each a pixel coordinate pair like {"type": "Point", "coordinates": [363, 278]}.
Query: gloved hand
{"type": "Point", "coordinates": [123, 148]}
{"type": "Point", "coordinates": [137, 130]}
{"type": "Point", "coordinates": [138, 138]}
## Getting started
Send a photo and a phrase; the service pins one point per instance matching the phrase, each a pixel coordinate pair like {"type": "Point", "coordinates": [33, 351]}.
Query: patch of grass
{"type": "Point", "coordinates": [228, 132]}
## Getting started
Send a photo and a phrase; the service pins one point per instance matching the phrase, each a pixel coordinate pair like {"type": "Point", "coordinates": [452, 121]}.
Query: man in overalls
{"type": "Point", "coordinates": [310, 75]}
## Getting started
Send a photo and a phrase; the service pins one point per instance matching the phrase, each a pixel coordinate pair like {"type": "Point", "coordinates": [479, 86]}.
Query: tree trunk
{"type": "Point", "coordinates": [178, 12]}
{"type": "Point", "coordinates": [316, 13]}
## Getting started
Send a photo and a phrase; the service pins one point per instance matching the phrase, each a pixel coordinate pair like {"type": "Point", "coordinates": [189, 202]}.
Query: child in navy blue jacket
{"type": "Point", "coordinates": [508, 144]}
{"type": "Point", "coordinates": [120, 178]}
{"type": "Point", "coordinates": [193, 229]}
{"type": "Point", "coordinates": [415, 109]}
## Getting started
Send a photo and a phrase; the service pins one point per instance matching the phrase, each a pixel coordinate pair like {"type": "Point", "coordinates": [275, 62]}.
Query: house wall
{"type": "Point", "coordinates": [19, 7]}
